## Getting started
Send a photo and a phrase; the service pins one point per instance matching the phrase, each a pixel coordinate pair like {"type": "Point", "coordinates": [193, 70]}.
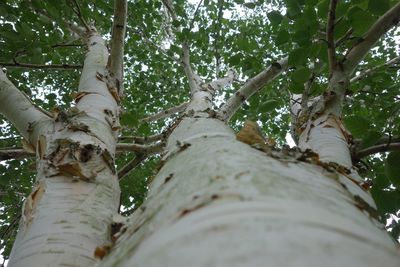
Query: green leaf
{"type": "Point", "coordinates": [235, 60]}
{"type": "Point", "coordinates": [357, 125]}
{"type": "Point", "coordinates": [371, 138]}
{"type": "Point", "coordinates": [268, 105]}
{"type": "Point", "coordinates": [275, 17]}
{"type": "Point", "coordinates": [378, 7]}
{"type": "Point", "coordinates": [360, 20]}
{"type": "Point", "coordinates": [250, 5]}
{"type": "Point", "coordinates": [386, 201]}
{"type": "Point", "coordinates": [129, 120]}
{"type": "Point", "coordinates": [298, 57]}
{"type": "Point", "coordinates": [392, 167]}
{"type": "Point", "coordinates": [301, 75]}
{"type": "Point", "coordinates": [282, 38]}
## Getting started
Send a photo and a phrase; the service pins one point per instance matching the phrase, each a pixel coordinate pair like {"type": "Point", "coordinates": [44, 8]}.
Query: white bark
{"type": "Point", "coordinates": [251, 87]}
{"type": "Point", "coordinates": [19, 110]}
{"type": "Point", "coordinates": [69, 212]}
{"type": "Point", "coordinates": [219, 202]}
{"type": "Point", "coordinates": [377, 30]}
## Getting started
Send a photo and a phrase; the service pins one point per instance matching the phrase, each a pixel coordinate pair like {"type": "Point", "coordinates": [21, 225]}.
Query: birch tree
{"type": "Point", "coordinates": [152, 133]}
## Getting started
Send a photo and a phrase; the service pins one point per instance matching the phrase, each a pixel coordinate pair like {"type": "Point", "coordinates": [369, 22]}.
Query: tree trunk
{"type": "Point", "coordinates": [70, 210]}
{"type": "Point", "coordinates": [219, 202]}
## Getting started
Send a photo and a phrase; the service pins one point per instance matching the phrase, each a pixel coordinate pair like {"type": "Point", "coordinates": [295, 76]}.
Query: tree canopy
{"type": "Point", "coordinates": [43, 58]}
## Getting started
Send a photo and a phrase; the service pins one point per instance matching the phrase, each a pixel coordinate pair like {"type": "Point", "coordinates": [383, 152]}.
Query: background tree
{"type": "Point", "coordinates": [204, 59]}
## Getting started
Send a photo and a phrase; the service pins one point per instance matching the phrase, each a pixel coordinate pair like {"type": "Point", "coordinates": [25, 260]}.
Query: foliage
{"type": "Point", "coordinates": [244, 35]}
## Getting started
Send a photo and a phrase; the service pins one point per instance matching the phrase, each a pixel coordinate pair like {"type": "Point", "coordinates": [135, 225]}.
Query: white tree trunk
{"type": "Point", "coordinates": [219, 202]}
{"type": "Point", "coordinates": [70, 210]}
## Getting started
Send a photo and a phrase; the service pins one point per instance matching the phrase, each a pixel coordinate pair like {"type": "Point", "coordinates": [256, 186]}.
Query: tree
{"type": "Point", "coordinates": [215, 197]}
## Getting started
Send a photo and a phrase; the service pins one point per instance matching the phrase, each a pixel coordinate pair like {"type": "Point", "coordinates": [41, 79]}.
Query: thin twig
{"type": "Point", "coordinates": [194, 15]}
{"type": "Point", "coordinates": [372, 70]}
{"type": "Point", "coordinates": [160, 49]}
{"type": "Point", "coordinates": [78, 13]}
{"type": "Point", "coordinates": [376, 149]}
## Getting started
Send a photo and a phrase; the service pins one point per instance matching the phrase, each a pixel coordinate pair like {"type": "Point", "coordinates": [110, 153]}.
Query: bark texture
{"type": "Point", "coordinates": [76, 194]}
{"type": "Point", "coordinates": [219, 202]}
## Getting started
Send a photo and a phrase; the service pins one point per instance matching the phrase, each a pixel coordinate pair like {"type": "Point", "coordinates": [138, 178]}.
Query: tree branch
{"type": "Point", "coordinates": [78, 13]}
{"type": "Point", "coordinates": [20, 153]}
{"type": "Point", "coordinates": [143, 139]}
{"type": "Point", "coordinates": [14, 153]}
{"type": "Point", "coordinates": [19, 109]}
{"type": "Point", "coordinates": [159, 49]}
{"type": "Point", "coordinates": [194, 15]}
{"type": "Point", "coordinates": [166, 113]}
{"type": "Point", "coordinates": [379, 28]}
{"type": "Point", "coordinates": [193, 79]}
{"type": "Point", "coordinates": [116, 60]}
{"type": "Point", "coordinates": [306, 92]}
{"type": "Point", "coordinates": [250, 87]}
{"type": "Point", "coordinates": [131, 165]}
{"type": "Point", "coordinates": [376, 149]}
{"type": "Point", "coordinates": [330, 27]}
{"type": "Point", "coordinates": [41, 66]}
{"type": "Point", "coordinates": [142, 149]}
{"type": "Point", "coordinates": [372, 70]}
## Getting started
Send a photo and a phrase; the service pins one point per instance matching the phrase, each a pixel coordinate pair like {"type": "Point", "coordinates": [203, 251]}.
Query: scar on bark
{"type": "Point", "coordinates": [168, 178]}
{"type": "Point", "coordinates": [31, 203]}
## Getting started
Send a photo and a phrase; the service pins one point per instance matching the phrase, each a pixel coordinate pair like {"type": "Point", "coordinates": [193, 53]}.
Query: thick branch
{"type": "Point", "coordinates": [376, 149]}
{"type": "Point", "coordinates": [380, 27]}
{"type": "Point", "coordinates": [131, 165]}
{"type": "Point", "coordinates": [143, 139]}
{"type": "Point", "coordinates": [372, 70]}
{"type": "Point", "coordinates": [330, 27]}
{"type": "Point", "coordinates": [193, 78]}
{"type": "Point", "coordinates": [166, 113]}
{"type": "Point", "coordinates": [117, 41]}
{"type": "Point", "coordinates": [252, 86]}
{"type": "Point", "coordinates": [142, 149]}
{"type": "Point", "coordinates": [14, 153]}
{"type": "Point", "coordinates": [18, 109]}
{"type": "Point", "coordinates": [20, 153]}
{"type": "Point", "coordinates": [41, 66]}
